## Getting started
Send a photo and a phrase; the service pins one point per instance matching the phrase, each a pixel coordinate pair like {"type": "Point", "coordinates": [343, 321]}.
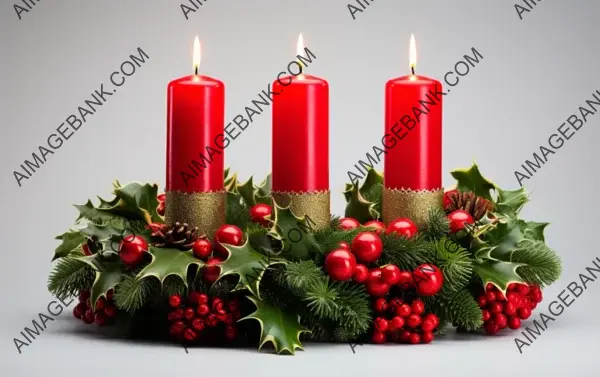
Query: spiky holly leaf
{"type": "Point", "coordinates": [248, 192]}
{"type": "Point", "coordinates": [362, 202]}
{"type": "Point", "coordinates": [70, 240]}
{"type": "Point", "coordinates": [90, 212]}
{"type": "Point", "coordinates": [502, 240]}
{"type": "Point", "coordinates": [136, 201]}
{"type": "Point", "coordinates": [509, 202]}
{"type": "Point", "coordinates": [103, 232]}
{"type": "Point", "coordinates": [278, 327]}
{"type": "Point", "coordinates": [294, 233]}
{"type": "Point", "coordinates": [167, 262]}
{"type": "Point", "coordinates": [248, 264]}
{"type": "Point", "coordinates": [253, 194]}
{"type": "Point", "coordinates": [231, 183]}
{"type": "Point", "coordinates": [109, 272]}
{"type": "Point", "coordinates": [533, 230]}
{"type": "Point", "coordinates": [499, 273]}
{"type": "Point", "coordinates": [264, 188]}
{"type": "Point", "coordinates": [471, 180]}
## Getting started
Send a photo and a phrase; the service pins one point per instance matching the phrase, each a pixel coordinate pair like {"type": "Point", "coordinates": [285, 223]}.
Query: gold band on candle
{"type": "Point", "coordinates": [315, 205]}
{"type": "Point", "coordinates": [415, 205]}
{"type": "Point", "coordinates": [206, 210]}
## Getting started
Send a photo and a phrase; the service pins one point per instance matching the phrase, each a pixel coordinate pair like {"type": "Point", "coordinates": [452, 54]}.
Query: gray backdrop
{"type": "Point", "coordinates": [535, 73]}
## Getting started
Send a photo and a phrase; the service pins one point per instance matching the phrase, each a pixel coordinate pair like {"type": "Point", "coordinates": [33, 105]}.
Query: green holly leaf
{"type": "Point", "coordinates": [509, 202]}
{"type": "Point", "coordinates": [503, 240]}
{"type": "Point", "coordinates": [534, 231]}
{"type": "Point", "coordinates": [281, 329]}
{"type": "Point", "coordinates": [103, 232]}
{"type": "Point", "coordinates": [363, 203]}
{"type": "Point", "coordinates": [248, 192]}
{"type": "Point", "coordinates": [89, 212]}
{"type": "Point", "coordinates": [109, 272]}
{"type": "Point", "coordinates": [499, 273]}
{"type": "Point", "coordinates": [137, 201]}
{"type": "Point", "coordinates": [70, 240]}
{"type": "Point", "coordinates": [295, 233]}
{"type": "Point", "coordinates": [231, 183]}
{"type": "Point", "coordinates": [253, 194]}
{"type": "Point", "coordinates": [248, 264]}
{"type": "Point", "coordinates": [167, 262]}
{"type": "Point", "coordinates": [471, 180]}
{"type": "Point", "coordinates": [264, 188]}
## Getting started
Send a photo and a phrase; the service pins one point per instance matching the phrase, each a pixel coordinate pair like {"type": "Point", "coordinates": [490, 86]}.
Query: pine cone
{"type": "Point", "coordinates": [177, 236]}
{"type": "Point", "coordinates": [477, 206]}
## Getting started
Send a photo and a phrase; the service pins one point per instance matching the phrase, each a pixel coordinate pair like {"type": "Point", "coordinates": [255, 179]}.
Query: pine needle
{"type": "Point", "coordinates": [301, 276]}
{"type": "Point", "coordinates": [454, 261]}
{"type": "Point", "coordinates": [132, 294]}
{"type": "Point", "coordinates": [321, 300]}
{"type": "Point", "coordinates": [329, 238]}
{"type": "Point", "coordinates": [461, 309]}
{"type": "Point", "coordinates": [69, 277]}
{"type": "Point", "coordinates": [407, 254]}
{"type": "Point", "coordinates": [438, 225]}
{"type": "Point", "coordinates": [542, 264]}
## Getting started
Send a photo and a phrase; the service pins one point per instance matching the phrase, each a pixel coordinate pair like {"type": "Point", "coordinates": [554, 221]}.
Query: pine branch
{"type": "Point", "coordinates": [300, 276]}
{"type": "Point", "coordinates": [131, 294]}
{"type": "Point", "coordinates": [461, 309]}
{"type": "Point", "coordinates": [329, 238]}
{"type": "Point", "coordinates": [173, 285]}
{"type": "Point", "coordinates": [438, 225]}
{"type": "Point", "coordinates": [542, 264]}
{"type": "Point", "coordinates": [407, 254]}
{"type": "Point", "coordinates": [321, 300]}
{"type": "Point", "coordinates": [69, 277]}
{"type": "Point", "coordinates": [354, 309]}
{"type": "Point", "coordinates": [454, 261]}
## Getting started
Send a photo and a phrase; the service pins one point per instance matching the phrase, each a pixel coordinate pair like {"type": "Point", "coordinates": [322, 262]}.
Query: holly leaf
{"type": "Point", "coordinates": [248, 192]}
{"type": "Point", "coordinates": [167, 262]}
{"type": "Point", "coordinates": [109, 273]}
{"type": "Point", "coordinates": [471, 180]}
{"type": "Point", "coordinates": [103, 232]}
{"type": "Point", "coordinates": [534, 231]}
{"type": "Point", "coordinates": [503, 240]}
{"type": "Point", "coordinates": [499, 273]}
{"type": "Point", "coordinates": [70, 240]}
{"type": "Point", "coordinates": [137, 201]}
{"type": "Point", "coordinates": [294, 233]}
{"type": "Point", "coordinates": [231, 183]}
{"type": "Point", "coordinates": [509, 202]}
{"type": "Point", "coordinates": [281, 329]}
{"type": "Point", "coordinates": [248, 264]}
{"type": "Point", "coordinates": [362, 203]}
{"type": "Point", "coordinates": [264, 188]}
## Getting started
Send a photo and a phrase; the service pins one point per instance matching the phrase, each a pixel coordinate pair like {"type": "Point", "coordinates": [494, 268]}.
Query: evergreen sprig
{"type": "Point", "coordinates": [542, 264]}
{"type": "Point", "coordinates": [329, 237]}
{"type": "Point", "coordinates": [454, 261]}
{"type": "Point", "coordinates": [460, 309]}
{"type": "Point", "coordinates": [69, 277]}
{"type": "Point", "coordinates": [132, 294]}
{"type": "Point", "coordinates": [438, 225]}
{"type": "Point", "coordinates": [405, 253]}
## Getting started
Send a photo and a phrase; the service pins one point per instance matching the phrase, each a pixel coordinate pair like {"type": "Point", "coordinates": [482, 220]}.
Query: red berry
{"type": "Point", "coordinates": [189, 314]}
{"type": "Point", "coordinates": [380, 305]}
{"type": "Point", "coordinates": [84, 296]}
{"type": "Point", "coordinates": [202, 299]}
{"type": "Point", "coordinates": [414, 338]}
{"type": "Point", "coordinates": [177, 327]}
{"type": "Point", "coordinates": [203, 310]}
{"type": "Point", "coordinates": [380, 324]}
{"type": "Point", "coordinates": [448, 198]}
{"type": "Point", "coordinates": [261, 213]}
{"type": "Point", "coordinates": [396, 323]}
{"type": "Point", "coordinates": [178, 314]}
{"type": "Point", "coordinates": [227, 234]}
{"type": "Point", "coordinates": [79, 310]}
{"type": "Point", "coordinates": [376, 226]}
{"type": "Point", "coordinates": [212, 320]}
{"type": "Point", "coordinates": [100, 304]}
{"type": "Point", "coordinates": [360, 274]}
{"type": "Point", "coordinates": [536, 296]}
{"type": "Point", "coordinates": [375, 274]}
{"type": "Point", "coordinates": [86, 249]}
{"type": "Point", "coordinates": [402, 227]}
{"type": "Point", "coordinates": [428, 279]}
{"type": "Point", "coordinates": [110, 311]}
{"type": "Point", "coordinates": [500, 296]}
{"type": "Point", "coordinates": [212, 270]}
{"type": "Point", "coordinates": [509, 308]}
{"type": "Point", "coordinates": [490, 297]}
{"type": "Point", "coordinates": [132, 249]}
{"type": "Point", "coordinates": [417, 307]}
{"type": "Point", "coordinates": [160, 209]}
{"type": "Point", "coordinates": [404, 336]}
{"type": "Point", "coordinates": [458, 219]}
{"type": "Point", "coordinates": [496, 307]}
{"type": "Point", "coordinates": [340, 264]}
{"type": "Point", "coordinates": [89, 317]}
{"type": "Point", "coordinates": [230, 333]}
{"type": "Point", "coordinates": [481, 301]}
{"type": "Point", "coordinates": [198, 324]}
{"type": "Point", "coordinates": [175, 301]}
{"type": "Point", "coordinates": [344, 245]}
{"type": "Point", "coordinates": [378, 337]}
{"type": "Point", "coordinates": [413, 321]}
{"type": "Point", "coordinates": [523, 289]}
{"type": "Point", "coordinates": [427, 325]}
{"type": "Point", "coordinates": [217, 303]}
{"type": "Point", "coordinates": [377, 288]}
{"type": "Point", "coordinates": [524, 313]}
{"type": "Point", "coordinates": [189, 334]}
{"type": "Point", "coordinates": [433, 318]}
{"type": "Point", "coordinates": [394, 304]}
{"type": "Point", "coordinates": [110, 294]}
{"type": "Point", "coordinates": [161, 197]}
{"type": "Point", "coordinates": [427, 337]}
{"type": "Point", "coordinates": [491, 328]}
{"type": "Point", "coordinates": [500, 320]}
{"type": "Point", "coordinates": [405, 280]}
{"type": "Point", "coordinates": [202, 248]}
{"type": "Point", "coordinates": [367, 247]}
{"type": "Point", "coordinates": [490, 287]}
{"type": "Point", "coordinates": [348, 223]}
{"type": "Point", "coordinates": [100, 319]}
{"type": "Point", "coordinates": [514, 323]}
{"type": "Point", "coordinates": [486, 315]}
{"type": "Point", "coordinates": [403, 310]}
{"type": "Point", "coordinates": [233, 305]}
{"type": "Point", "coordinates": [193, 297]}
{"type": "Point", "coordinates": [390, 274]}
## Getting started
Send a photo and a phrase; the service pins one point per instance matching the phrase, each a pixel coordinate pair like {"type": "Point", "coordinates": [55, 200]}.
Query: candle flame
{"type": "Point", "coordinates": [197, 55]}
{"type": "Point", "coordinates": [412, 53]}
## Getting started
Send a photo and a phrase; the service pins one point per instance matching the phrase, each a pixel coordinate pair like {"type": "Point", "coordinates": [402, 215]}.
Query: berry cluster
{"type": "Point", "coordinates": [500, 312]}
{"type": "Point", "coordinates": [200, 313]}
{"type": "Point", "coordinates": [402, 322]}
{"type": "Point", "coordinates": [104, 311]}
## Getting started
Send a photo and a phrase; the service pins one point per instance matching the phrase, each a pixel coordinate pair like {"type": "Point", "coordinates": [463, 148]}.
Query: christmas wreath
{"type": "Point", "coordinates": [269, 276]}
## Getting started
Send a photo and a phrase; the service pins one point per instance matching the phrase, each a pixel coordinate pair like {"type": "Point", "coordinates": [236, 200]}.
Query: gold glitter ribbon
{"type": "Point", "coordinates": [315, 205]}
{"type": "Point", "coordinates": [206, 210]}
{"type": "Point", "coordinates": [415, 205]}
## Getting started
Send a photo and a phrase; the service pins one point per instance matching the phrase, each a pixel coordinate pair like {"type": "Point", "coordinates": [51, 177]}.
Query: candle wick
{"type": "Point", "coordinates": [412, 70]}
{"type": "Point", "coordinates": [196, 70]}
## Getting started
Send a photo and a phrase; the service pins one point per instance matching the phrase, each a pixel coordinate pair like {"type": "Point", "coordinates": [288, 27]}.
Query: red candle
{"type": "Point", "coordinates": [195, 122]}
{"type": "Point", "coordinates": [413, 114]}
{"type": "Point", "coordinates": [300, 133]}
